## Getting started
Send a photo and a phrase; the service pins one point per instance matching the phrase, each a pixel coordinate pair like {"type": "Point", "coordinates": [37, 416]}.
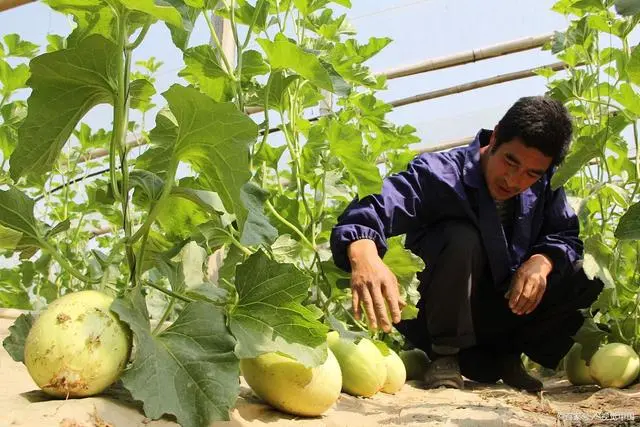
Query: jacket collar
{"type": "Point", "coordinates": [472, 174]}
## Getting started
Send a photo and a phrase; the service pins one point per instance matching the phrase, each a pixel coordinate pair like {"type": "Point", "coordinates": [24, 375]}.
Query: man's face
{"type": "Point", "coordinates": [512, 168]}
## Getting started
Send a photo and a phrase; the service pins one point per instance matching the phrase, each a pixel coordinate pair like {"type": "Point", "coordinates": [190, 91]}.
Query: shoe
{"type": "Point", "coordinates": [514, 374]}
{"type": "Point", "coordinates": [444, 371]}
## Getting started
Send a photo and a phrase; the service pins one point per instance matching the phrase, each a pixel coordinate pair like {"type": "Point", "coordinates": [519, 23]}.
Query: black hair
{"type": "Point", "coordinates": [539, 122]}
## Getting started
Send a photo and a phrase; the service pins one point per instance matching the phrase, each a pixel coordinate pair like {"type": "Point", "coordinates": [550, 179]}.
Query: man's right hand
{"type": "Point", "coordinates": [371, 284]}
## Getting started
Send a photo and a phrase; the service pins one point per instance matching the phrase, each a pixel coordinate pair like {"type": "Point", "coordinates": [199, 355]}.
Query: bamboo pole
{"type": "Point", "coordinates": [470, 56]}
{"type": "Point", "coordinates": [475, 85]}
{"type": "Point", "coordinates": [10, 4]}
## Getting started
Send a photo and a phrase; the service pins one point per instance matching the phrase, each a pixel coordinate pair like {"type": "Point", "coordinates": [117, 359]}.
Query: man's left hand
{"type": "Point", "coordinates": [528, 284]}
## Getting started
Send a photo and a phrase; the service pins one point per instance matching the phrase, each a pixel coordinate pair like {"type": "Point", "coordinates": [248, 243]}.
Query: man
{"type": "Point", "coordinates": [501, 248]}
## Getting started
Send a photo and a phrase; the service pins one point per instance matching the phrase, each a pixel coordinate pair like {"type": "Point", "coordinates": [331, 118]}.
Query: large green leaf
{"type": "Point", "coordinates": [188, 370]}
{"type": "Point", "coordinates": [633, 66]}
{"type": "Point", "coordinates": [629, 225]}
{"type": "Point", "coordinates": [213, 137]}
{"type": "Point", "coordinates": [14, 343]}
{"type": "Point", "coordinates": [345, 142]}
{"type": "Point", "coordinates": [66, 85]}
{"type": "Point", "coordinates": [284, 54]}
{"type": "Point", "coordinates": [269, 315]}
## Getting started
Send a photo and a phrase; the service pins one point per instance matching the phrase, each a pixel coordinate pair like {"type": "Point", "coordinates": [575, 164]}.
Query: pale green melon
{"type": "Point", "coordinates": [396, 373]}
{"type": "Point", "coordinates": [364, 370]}
{"type": "Point", "coordinates": [615, 365]}
{"type": "Point", "coordinates": [289, 386]}
{"type": "Point", "coordinates": [77, 347]}
{"type": "Point", "coordinates": [576, 367]}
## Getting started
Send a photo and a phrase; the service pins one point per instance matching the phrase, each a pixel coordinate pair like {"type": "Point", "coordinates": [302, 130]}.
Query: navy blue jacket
{"type": "Point", "coordinates": [450, 185]}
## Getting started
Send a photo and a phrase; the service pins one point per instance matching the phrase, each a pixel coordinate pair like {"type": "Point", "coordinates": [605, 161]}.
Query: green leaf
{"type": "Point", "coordinates": [629, 225]}
{"type": "Point", "coordinates": [189, 15]}
{"type": "Point", "coordinates": [278, 93]}
{"type": "Point", "coordinates": [590, 336]}
{"type": "Point", "coordinates": [253, 64]}
{"type": "Point", "coordinates": [14, 343]}
{"type": "Point", "coordinates": [188, 370]}
{"type": "Point", "coordinates": [16, 213]}
{"type": "Point", "coordinates": [204, 70]}
{"type": "Point", "coordinates": [11, 78]}
{"type": "Point", "coordinates": [163, 10]}
{"type": "Point", "coordinates": [246, 14]}
{"type": "Point", "coordinates": [345, 142]}
{"type": "Point", "coordinates": [286, 249]}
{"type": "Point", "coordinates": [627, 7]}
{"type": "Point", "coordinates": [141, 91]}
{"type": "Point", "coordinates": [61, 227]}
{"type": "Point", "coordinates": [402, 262]}
{"type": "Point", "coordinates": [633, 66]}
{"type": "Point", "coordinates": [90, 17]}
{"type": "Point", "coordinates": [88, 72]}
{"type": "Point", "coordinates": [628, 98]}
{"type": "Point", "coordinates": [284, 54]}
{"type": "Point", "coordinates": [148, 182]}
{"type": "Point", "coordinates": [213, 137]}
{"type": "Point", "coordinates": [192, 257]}
{"type": "Point", "coordinates": [583, 150]}
{"type": "Point", "coordinates": [56, 42]}
{"type": "Point", "coordinates": [178, 217]}
{"type": "Point", "coordinates": [269, 315]}
{"type": "Point", "coordinates": [270, 155]}
{"type": "Point", "coordinates": [12, 292]}
{"type": "Point", "coordinates": [9, 239]}
{"type": "Point", "coordinates": [19, 48]}
{"type": "Point", "coordinates": [592, 268]}
{"type": "Point", "coordinates": [257, 230]}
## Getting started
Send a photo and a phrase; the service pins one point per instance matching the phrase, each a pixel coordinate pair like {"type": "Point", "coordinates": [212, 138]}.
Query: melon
{"type": "Point", "coordinates": [291, 387]}
{"type": "Point", "coordinates": [615, 365]}
{"type": "Point", "coordinates": [364, 370]}
{"type": "Point", "coordinates": [77, 347]}
{"type": "Point", "coordinates": [396, 373]}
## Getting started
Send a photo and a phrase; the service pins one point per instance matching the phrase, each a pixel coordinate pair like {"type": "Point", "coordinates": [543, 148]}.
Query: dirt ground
{"type": "Point", "coordinates": [22, 404]}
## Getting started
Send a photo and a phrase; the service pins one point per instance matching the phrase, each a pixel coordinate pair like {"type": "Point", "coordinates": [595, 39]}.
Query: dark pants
{"type": "Point", "coordinates": [460, 306]}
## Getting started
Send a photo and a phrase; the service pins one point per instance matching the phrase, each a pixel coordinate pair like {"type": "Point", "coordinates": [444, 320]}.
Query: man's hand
{"type": "Point", "coordinates": [371, 284]}
{"type": "Point", "coordinates": [528, 284]}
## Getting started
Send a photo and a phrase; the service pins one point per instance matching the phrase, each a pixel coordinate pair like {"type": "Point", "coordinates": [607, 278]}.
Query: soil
{"type": "Point", "coordinates": [23, 404]}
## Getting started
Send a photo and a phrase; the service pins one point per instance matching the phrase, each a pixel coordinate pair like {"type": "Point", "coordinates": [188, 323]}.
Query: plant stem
{"type": "Point", "coordinates": [65, 264]}
{"type": "Point", "coordinates": [165, 315]}
{"type": "Point", "coordinates": [257, 10]}
{"type": "Point", "coordinates": [234, 30]}
{"type": "Point", "coordinates": [216, 40]}
{"type": "Point", "coordinates": [167, 291]}
{"type": "Point", "coordinates": [120, 123]}
{"type": "Point", "coordinates": [4, 99]}
{"type": "Point", "coordinates": [237, 243]}
{"type": "Point", "coordinates": [141, 35]}
{"type": "Point", "coordinates": [155, 210]}
{"type": "Point", "coordinates": [288, 224]}
{"type": "Point", "coordinates": [265, 134]}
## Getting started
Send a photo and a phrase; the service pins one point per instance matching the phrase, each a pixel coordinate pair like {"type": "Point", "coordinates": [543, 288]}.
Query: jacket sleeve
{"type": "Point", "coordinates": [398, 208]}
{"type": "Point", "coordinates": [559, 237]}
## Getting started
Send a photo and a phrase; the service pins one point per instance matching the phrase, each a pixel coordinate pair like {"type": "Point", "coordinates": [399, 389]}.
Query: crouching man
{"type": "Point", "coordinates": [501, 248]}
